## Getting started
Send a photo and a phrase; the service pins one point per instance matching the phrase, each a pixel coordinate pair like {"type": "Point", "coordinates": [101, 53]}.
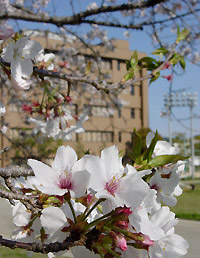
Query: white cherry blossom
{"type": "Point", "coordinates": [65, 175]}
{"type": "Point", "coordinates": [171, 245]}
{"type": "Point", "coordinates": [20, 55]}
{"type": "Point", "coordinates": [26, 231]}
{"type": "Point", "coordinates": [116, 183]}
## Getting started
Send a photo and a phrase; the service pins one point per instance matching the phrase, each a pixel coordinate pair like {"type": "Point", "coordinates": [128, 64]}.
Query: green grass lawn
{"type": "Point", "coordinates": [17, 253]}
{"type": "Point", "coordinates": [188, 204]}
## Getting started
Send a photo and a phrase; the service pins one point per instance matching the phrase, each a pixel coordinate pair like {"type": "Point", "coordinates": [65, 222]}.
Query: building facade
{"type": "Point", "coordinates": [112, 119]}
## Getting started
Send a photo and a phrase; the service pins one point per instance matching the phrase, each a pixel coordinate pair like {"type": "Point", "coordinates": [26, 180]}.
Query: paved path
{"type": "Point", "coordinates": [188, 229]}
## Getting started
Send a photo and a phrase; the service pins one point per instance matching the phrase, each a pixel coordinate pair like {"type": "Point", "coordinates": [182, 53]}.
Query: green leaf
{"type": "Point", "coordinates": [182, 63]}
{"type": "Point", "coordinates": [181, 35]}
{"type": "Point", "coordinates": [88, 67]}
{"type": "Point", "coordinates": [160, 51]}
{"type": "Point", "coordinates": [128, 65]}
{"type": "Point", "coordinates": [147, 59]}
{"type": "Point", "coordinates": [132, 67]}
{"type": "Point", "coordinates": [129, 75]}
{"type": "Point", "coordinates": [175, 58]}
{"type": "Point", "coordinates": [149, 151]}
{"type": "Point", "coordinates": [155, 77]}
{"type": "Point", "coordinates": [149, 63]}
{"type": "Point", "coordinates": [162, 160]}
{"type": "Point", "coordinates": [134, 60]}
{"type": "Point", "coordinates": [137, 146]}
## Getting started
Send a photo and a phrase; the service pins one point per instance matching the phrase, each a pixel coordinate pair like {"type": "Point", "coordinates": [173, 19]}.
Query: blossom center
{"type": "Point", "coordinates": [155, 187]}
{"type": "Point", "coordinates": [112, 185]}
{"type": "Point", "coordinates": [64, 181]}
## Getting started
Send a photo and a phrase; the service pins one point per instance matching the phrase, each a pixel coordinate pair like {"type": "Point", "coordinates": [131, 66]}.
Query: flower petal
{"type": "Point", "coordinates": [21, 67]}
{"type": "Point", "coordinates": [8, 52]}
{"type": "Point", "coordinates": [80, 181]}
{"type": "Point", "coordinates": [44, 174]}
{"type": "Point", "coordinates": [64, 160]}
{"type": "Point", "coordinates": [110, 158]}
{"type": "Point", "coordinates": [53, 219]}
{"type": "Point", "coordinates": [31, 49]}
{"type": "Point", "coordinates": [96, 169]}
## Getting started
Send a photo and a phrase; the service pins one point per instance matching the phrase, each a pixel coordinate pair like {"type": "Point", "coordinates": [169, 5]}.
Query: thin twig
{"type": "Point", "coordinates": [15, 171]}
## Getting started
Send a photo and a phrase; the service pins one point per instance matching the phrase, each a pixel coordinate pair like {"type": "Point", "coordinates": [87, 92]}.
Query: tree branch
{"type": "Point", "coordinates": [15, 171]}
{"type": "Point", "coordinates": [115, 25]}
{"type": "Point", "coordinates": [38, 247]}
{"type": "Point", "coordinates": [78, 18]}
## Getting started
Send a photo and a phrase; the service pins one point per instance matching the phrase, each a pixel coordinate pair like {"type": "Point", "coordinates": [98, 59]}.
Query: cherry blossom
{"type": "Point", "coordinates": [65, 175]}
{"type": "Point", "coordinates": [58, 127]}
{"type": "Point", "coordinates": [162, 147]}
{"type": "Point", "coordinates": [165, 187]}
{"type": "Point", "coordinates": [116, 183]}
{"type": "Point", "coordinates": [171, 245]}
{"type": "Point", "coordinates": [27, 230]}
{"type": "Point", "coordinates": [20, 55]}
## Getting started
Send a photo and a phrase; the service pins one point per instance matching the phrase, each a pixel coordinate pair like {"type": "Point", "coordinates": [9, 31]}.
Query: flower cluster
{"type": "Point", "coordinates": [104, 208]}
{"type": "Point", "coordinates": [94, 206]}
{"type": "Point", "coordinates": [53, 116]}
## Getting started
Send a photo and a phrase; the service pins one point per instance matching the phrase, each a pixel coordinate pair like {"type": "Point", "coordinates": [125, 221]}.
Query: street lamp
{"type": "Point", "coordinates": [182, 99]}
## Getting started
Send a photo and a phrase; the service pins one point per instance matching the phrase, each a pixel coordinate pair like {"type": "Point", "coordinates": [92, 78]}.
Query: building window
{"type": "Point", "coordinates": [132, 90]}
{"type": "Point", "coordinates": [141, 115]}
{"type": "Point", "coordinates": [119, 137]}
{"type": "Point", "coordinates": [106, 63]}
{"type": "Point", "coordinates": [118, 65]}
{"type": "Point", "coordinates": [97, 136]}
{"type": "Point", "coordinates": [119, 112]}
{"type": "Point", "coordinates": [74, 138]}
{"type": "Point", "coordinates": [99, 111]}
{"type": "Point", "coordinates": [140, 87]}
{"type": "Point", "coordinates": [13, 107]}
{"type": "Point", "coordinates": [132, 112]}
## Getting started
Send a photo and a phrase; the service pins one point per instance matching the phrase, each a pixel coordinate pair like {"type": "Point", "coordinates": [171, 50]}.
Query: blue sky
{"type": "Point", "coordinates": [138, 40]}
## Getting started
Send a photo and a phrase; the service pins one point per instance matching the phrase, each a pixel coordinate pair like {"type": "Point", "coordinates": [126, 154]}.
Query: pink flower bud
{"type": "Point", "coordinates": [89, 198]}
{"type": "Point", "coordinates": [124, 210]}
{"type": "Point", "coordinates": [147, 241]}
{"type": "Point", "coordinates": [27, 108]}
{"type": "Point", "coordinates": [36, 104]}
{"type": "Point", "coordinates": [166, 66]}
{"type": "Point", "coordinates": [68, 99]}
{"type": "Point", "coordinates": [121, 243]}
{"type": "Point", "coordinates": [168, 77]}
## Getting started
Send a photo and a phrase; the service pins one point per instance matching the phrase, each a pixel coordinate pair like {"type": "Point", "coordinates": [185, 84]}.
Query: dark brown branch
{"type": "Point", "coordinates": [80, 17]}
{"type": "Point", "coordinates": [70, 79]}
{"type": "Point", "coordinates": [115, 25]}
{"type": "Point", "coordinates": [67, 78]}
{"type": "Point", "coordinates": [38, 247]}
{"type": "Point", "coordinates": [170, 19]}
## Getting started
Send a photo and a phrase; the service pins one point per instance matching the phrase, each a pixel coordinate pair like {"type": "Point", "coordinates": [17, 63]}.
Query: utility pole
{"type": "Point", "coordinates": [182, 100]}
{"type": "Point", "coordinates": [192, 102]}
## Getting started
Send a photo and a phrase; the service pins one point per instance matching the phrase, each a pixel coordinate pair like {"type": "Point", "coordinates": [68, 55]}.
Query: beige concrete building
{"type": "Point", "coordinates": [109, 123]}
